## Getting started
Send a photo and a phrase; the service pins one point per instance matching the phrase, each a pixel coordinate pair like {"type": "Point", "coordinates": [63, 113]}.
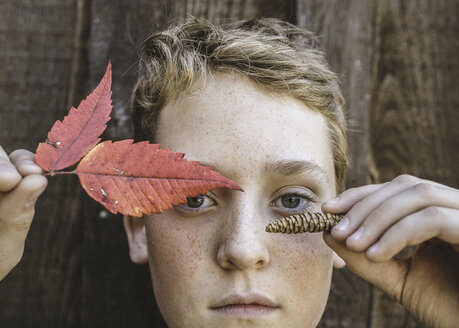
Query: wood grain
{"type": "Point", "coordinates": [36, 56]}
{"type": "Point", "coordinates": [345, 32]}
{"type": "Point", "coordinates": [415, 69]}
{"type": "Point", "coordinates": [413, 105]}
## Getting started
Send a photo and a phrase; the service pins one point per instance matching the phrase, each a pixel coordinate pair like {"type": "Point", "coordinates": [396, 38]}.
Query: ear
{"type": "Point", "coordinates": [338, 262]}
{"type": "Point", "coordinates": [137, 239]}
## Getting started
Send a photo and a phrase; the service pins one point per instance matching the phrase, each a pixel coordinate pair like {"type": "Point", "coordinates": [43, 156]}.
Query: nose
{"type": "Point", "coordinates": [243, 246]}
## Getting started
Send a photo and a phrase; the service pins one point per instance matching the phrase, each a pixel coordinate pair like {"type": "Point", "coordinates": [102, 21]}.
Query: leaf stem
{"type": "Point", "coordinates": [53, 173]}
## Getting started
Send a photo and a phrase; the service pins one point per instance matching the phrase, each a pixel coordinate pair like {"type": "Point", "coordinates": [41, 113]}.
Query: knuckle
{"type": "Point", "coordinates": [11, 256]}
{"type": "Point", "coordinates": [434, 211]}
{"type": "Point", "coordinates": [6, 165]}
{"type": "Point", "coordinates": [17, 256]}
{"type": "Point", "coordinates": [378, 213]}
{"type": "Point", "coordinates": [18, 152]}
{"type": "Point", "coordinates": [424, 190]}
{"type": "Point", "coordinates": [355, 214]}
{"type": "Point", "coordinates": [363, 204]}
{"type": "Point", "coordinates": [21, 226]}
{"type": "Point", "coordinates": [403, 225]}
{"type": "Point", "coordinates": [22, 221]}
{"type": "Point", "coordinates": [405, 179]}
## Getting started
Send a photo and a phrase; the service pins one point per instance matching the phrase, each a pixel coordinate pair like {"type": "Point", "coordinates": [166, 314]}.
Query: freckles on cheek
{"type": "Point", "coordinates": [174, 252]}
{"type": "Point", "coordinates": [306, 264]}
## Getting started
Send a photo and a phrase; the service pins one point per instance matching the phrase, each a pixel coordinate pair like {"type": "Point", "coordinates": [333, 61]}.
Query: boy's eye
{"type": "Point", "coordinates": [290, 201]}
{"type": "Point", "coordinates": [293, 202]}
{"type": "Point", "coordinates": [197, 205]}
{"type": "Point", "coordinates": [195, 202]}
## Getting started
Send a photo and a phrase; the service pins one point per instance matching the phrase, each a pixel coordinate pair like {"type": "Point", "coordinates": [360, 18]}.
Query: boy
{"type": "Point", "coordinates": [257, 101]}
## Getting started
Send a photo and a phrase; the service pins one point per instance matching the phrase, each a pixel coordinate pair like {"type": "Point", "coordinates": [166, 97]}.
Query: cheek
{"type": "Point", "coordinates": [177, 259]}
{"type": "Point", "coordinates": [173, 250]}
{"type": "Point", "coordinates": [305, 262]}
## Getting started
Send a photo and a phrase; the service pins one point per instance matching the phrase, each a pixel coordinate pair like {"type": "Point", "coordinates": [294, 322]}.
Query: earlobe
{"type": "Point", "coordinates": [137, 239]}
{"type": "Point", "coordinates": [338, 262]}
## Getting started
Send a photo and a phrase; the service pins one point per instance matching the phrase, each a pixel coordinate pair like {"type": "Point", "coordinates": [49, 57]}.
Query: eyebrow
{"type": "Point", "coordinates": [287, 167]}
{"type": "Point", "coordinates": [296, 167]}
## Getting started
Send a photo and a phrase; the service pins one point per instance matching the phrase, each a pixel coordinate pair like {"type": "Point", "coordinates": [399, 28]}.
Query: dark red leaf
{"type": "Point", "coordinates": [141, 178]}
{"type": "Point", "coordinates": [69, 140]}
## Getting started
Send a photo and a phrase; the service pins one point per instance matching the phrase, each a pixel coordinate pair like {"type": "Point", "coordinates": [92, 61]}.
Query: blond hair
{"type": "Point", "coordinates": [278, 56]}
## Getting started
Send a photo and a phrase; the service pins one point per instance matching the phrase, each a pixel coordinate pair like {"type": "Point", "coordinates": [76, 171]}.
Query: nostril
{"type": "Point", "coordinates": [228, 265]}
{"type": "Point", "coordinates": [237, 254]}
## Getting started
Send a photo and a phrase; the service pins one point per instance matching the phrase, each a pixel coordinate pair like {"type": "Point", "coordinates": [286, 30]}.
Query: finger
{"type": "Point", "coordinates": [16, 208]}
{"type": "Point", "coordinates": [9, 176]}
{"type": "Point", "coordinates": [396, 208]}
{"type": "Point", "coordinates": [359, 211]}
{"type": "Point", "coordinates": [24, 162]}
{"type": "Point", "coordinates": [440, 222]}
{"type": "Point", "coordinates": [344, 202]}
{"type": "Point", "coordinates": [338, 262]}
{"type": "Point", "coordinates": [12, 248]}
{"type": "Point", "coordinates": [348, 198]}
{"type": "Point", "coordinates": [388, 276]}
{"type": "Point", "coordinates": [9, 257]}
{"type": "Point", "coordinates": [17, 211]}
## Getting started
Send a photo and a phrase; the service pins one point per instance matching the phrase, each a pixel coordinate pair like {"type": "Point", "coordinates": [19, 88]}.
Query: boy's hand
{"type": "Point", "coordinates": [383, 219]}
{"type": "Point", "coordinates": [21, 182]}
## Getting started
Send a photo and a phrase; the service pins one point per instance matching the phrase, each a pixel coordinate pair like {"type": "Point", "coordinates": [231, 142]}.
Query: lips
{"type": "Point", "coordinates": [252, 304]}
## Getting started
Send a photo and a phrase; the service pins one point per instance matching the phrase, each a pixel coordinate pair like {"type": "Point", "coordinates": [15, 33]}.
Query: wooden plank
{"type": "Point", "coordinates": [345, 31]}
{"type": "Point", "coordinates": [119, 290]}
{"type": "Point", "coordinates": [414, 103]}
{"type": "Point", "coordinates": [36, 58]}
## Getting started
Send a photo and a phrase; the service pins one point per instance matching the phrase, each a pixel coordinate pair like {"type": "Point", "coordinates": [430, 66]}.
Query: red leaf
{"type": "Point", "coordinates": [70, 140]}
{"type": "Point", "coordinates": [140, 178]}
{"type": "Point", "coordinates": [132, 179]}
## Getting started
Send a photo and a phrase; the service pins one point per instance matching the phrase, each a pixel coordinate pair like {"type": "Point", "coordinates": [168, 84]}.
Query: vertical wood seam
{"type": "Point", "coordinates": [78, 77]}
{"type": "Point", "coordinates": [292, 11]}
{"type": "Point", "coordinates": [78, 85]}
{"type": "Point", "coordinates": [372, 173]}
{"type": "Point", "coordinates": [370, 307]}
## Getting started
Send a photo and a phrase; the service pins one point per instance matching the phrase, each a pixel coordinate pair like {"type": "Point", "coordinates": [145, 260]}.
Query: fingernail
{"type": "Point", "coordinates": [342, 225]}
{"type": "Point", "coordinates": [358, 234]}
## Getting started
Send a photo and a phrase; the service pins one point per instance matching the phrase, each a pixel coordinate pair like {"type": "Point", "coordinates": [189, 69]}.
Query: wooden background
{"type": "Point", "coordinates": [399, 66]}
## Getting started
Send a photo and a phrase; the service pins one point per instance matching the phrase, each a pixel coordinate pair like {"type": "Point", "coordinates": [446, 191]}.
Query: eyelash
{"type": "Point", "coordinates": [308, 197]}
{"type": "Point", "coordinates": [185, 208]}
{"type": "Point", "coordinates": [298, 209]}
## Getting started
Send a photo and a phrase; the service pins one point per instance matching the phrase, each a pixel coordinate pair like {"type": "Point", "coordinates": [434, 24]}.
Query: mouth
{"type": "Point", "coordinates": [245, 306]}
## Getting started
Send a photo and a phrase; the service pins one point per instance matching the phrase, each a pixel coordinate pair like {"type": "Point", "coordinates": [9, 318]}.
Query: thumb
{"type": "Point", "coordinates": [388, 276]}
{"type": "Point", "coordinates": [16, 214]}
{"type": "Point", "coordinates": [17, 206]}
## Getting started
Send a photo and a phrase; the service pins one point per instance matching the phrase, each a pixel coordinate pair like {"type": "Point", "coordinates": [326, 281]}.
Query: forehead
{"type": "Point", "coordinates": [230, 122]}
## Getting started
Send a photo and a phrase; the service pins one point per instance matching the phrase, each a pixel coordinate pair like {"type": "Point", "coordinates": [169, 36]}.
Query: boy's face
{"type": "Point", "coordinates": [210, 258]}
